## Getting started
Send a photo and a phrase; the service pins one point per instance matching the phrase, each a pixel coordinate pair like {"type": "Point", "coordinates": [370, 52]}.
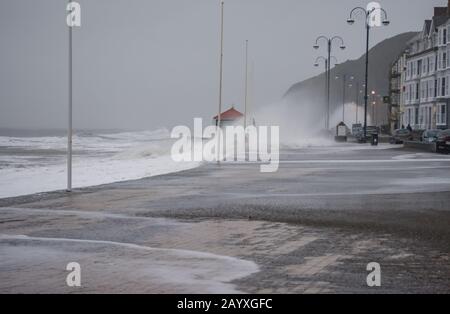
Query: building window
{"type": "Point", "coordinates": [422, 90]}
{"type": "Point", "coordinates": [416, 116]}
{"type": "Point", "coordinates": [444, 36]}
{"type": "Point", "coordinates": [428, 87]}
{"type": "Point", "coordinates": [448, 57]}
{"type": "Point", "coordinates": [420, 118]}
{"type": "Point", "coordinates": [446, 85]}
{"type": "Point", "coordinates": [443, 86]}
{"type": "Point", "coordinates": [425, 118]}
{"type": "Point", "coordinates": [431, 67]}
{"type": "Point", "coordinates": [435, 88]}
{"type": "Point", "coordinates": [441, 114]}
{"type": "Point", "coordinates": [409, 93]}
{"type": "Point", "coordinates": [429, 118]}
{"type": "Point", "coordinates": [448, 33]}
{"type": "Point", "coordinates": [412, 92]}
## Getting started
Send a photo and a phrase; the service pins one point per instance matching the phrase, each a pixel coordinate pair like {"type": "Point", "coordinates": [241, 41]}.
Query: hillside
{"type": "Point", "coordinates": [381, 57]}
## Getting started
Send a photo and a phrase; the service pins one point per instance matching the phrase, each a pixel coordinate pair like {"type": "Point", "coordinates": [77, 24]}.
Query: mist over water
{"type": "Point", "coordinates": [351, 114]}
{"type": "Point", "coordinates": [303, 124]}
{"type": "Point", "coordinates": [300, 124]}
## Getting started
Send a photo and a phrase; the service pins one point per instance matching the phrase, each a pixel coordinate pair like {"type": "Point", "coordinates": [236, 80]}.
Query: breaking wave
{"type": "Point", "coordinates": [38, 164]}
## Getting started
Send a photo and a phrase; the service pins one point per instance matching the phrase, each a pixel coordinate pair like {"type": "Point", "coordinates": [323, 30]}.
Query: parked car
{"type": "Point", "coordinates": [417, 135]}
{"type": "Point", "coordinates": [430, 136]}
{"type": "Point", "coordinates": [443, 142]}
{"type": "Point", "coordinates": [400, 136]}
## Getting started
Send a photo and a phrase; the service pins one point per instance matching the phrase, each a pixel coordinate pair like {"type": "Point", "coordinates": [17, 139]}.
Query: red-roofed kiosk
{"type": "Point", "coordinates": [229, 117]}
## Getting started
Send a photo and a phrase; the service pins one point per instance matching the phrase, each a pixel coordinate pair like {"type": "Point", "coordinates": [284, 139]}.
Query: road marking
{"type": "Point", "coordinates": [345, 161]}
{"type": "Point", "coordinates": [363, 161]}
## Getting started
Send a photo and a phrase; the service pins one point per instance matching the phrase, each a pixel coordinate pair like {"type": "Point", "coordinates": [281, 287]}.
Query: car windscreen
{"type": "Point", "coordinates": [445, 133]}
{"type": "Point", "coordinates": [431, 133]}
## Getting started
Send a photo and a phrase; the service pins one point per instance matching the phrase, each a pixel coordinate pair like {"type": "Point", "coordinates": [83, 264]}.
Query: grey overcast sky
{"type": "Point", "coordinates": [144, 64]}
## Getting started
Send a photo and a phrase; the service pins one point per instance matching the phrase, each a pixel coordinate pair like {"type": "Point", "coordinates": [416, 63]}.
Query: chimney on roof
{"type": "Point", "coordinates": [441, 11]}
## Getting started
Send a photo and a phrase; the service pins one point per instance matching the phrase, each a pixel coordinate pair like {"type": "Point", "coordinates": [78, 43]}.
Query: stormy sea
{"type": "Point", "coordinates": [35, 161]}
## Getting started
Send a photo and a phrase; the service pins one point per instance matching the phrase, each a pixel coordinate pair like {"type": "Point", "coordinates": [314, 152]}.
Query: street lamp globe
{"type": "Point", "coordinates": [386, 22]}
{"type": "Point", "coordinates": [316, 46]}
{"type": "Point", "coordinates": [342, 47]}
{"type": "Point", "coordinates": [351, 21]}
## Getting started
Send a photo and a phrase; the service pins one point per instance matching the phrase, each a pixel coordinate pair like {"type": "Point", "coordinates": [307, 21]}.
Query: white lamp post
{"type": "Point", "coordinates": [73, 19]}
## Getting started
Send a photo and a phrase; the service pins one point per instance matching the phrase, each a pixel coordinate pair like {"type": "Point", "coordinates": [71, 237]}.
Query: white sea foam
{"type": "Point", "coordinates": [138, 267]}
{"type": "Point", "coordinates": [38, 164]}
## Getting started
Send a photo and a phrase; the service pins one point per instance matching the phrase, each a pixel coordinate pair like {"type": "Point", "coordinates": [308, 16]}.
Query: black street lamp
{"type": "Point", "coordinates": [351, 21]}
{"type": "Point", "coordinates": [329, 46]}
{"type": "Point", "coordinates": [357, 91]}
{"type": "Point", "coordinates": [316, 64]}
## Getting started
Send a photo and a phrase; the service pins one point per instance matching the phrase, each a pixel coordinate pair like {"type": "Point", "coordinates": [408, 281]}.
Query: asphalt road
{"type": "Point", "coordinates": [311, 227]}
